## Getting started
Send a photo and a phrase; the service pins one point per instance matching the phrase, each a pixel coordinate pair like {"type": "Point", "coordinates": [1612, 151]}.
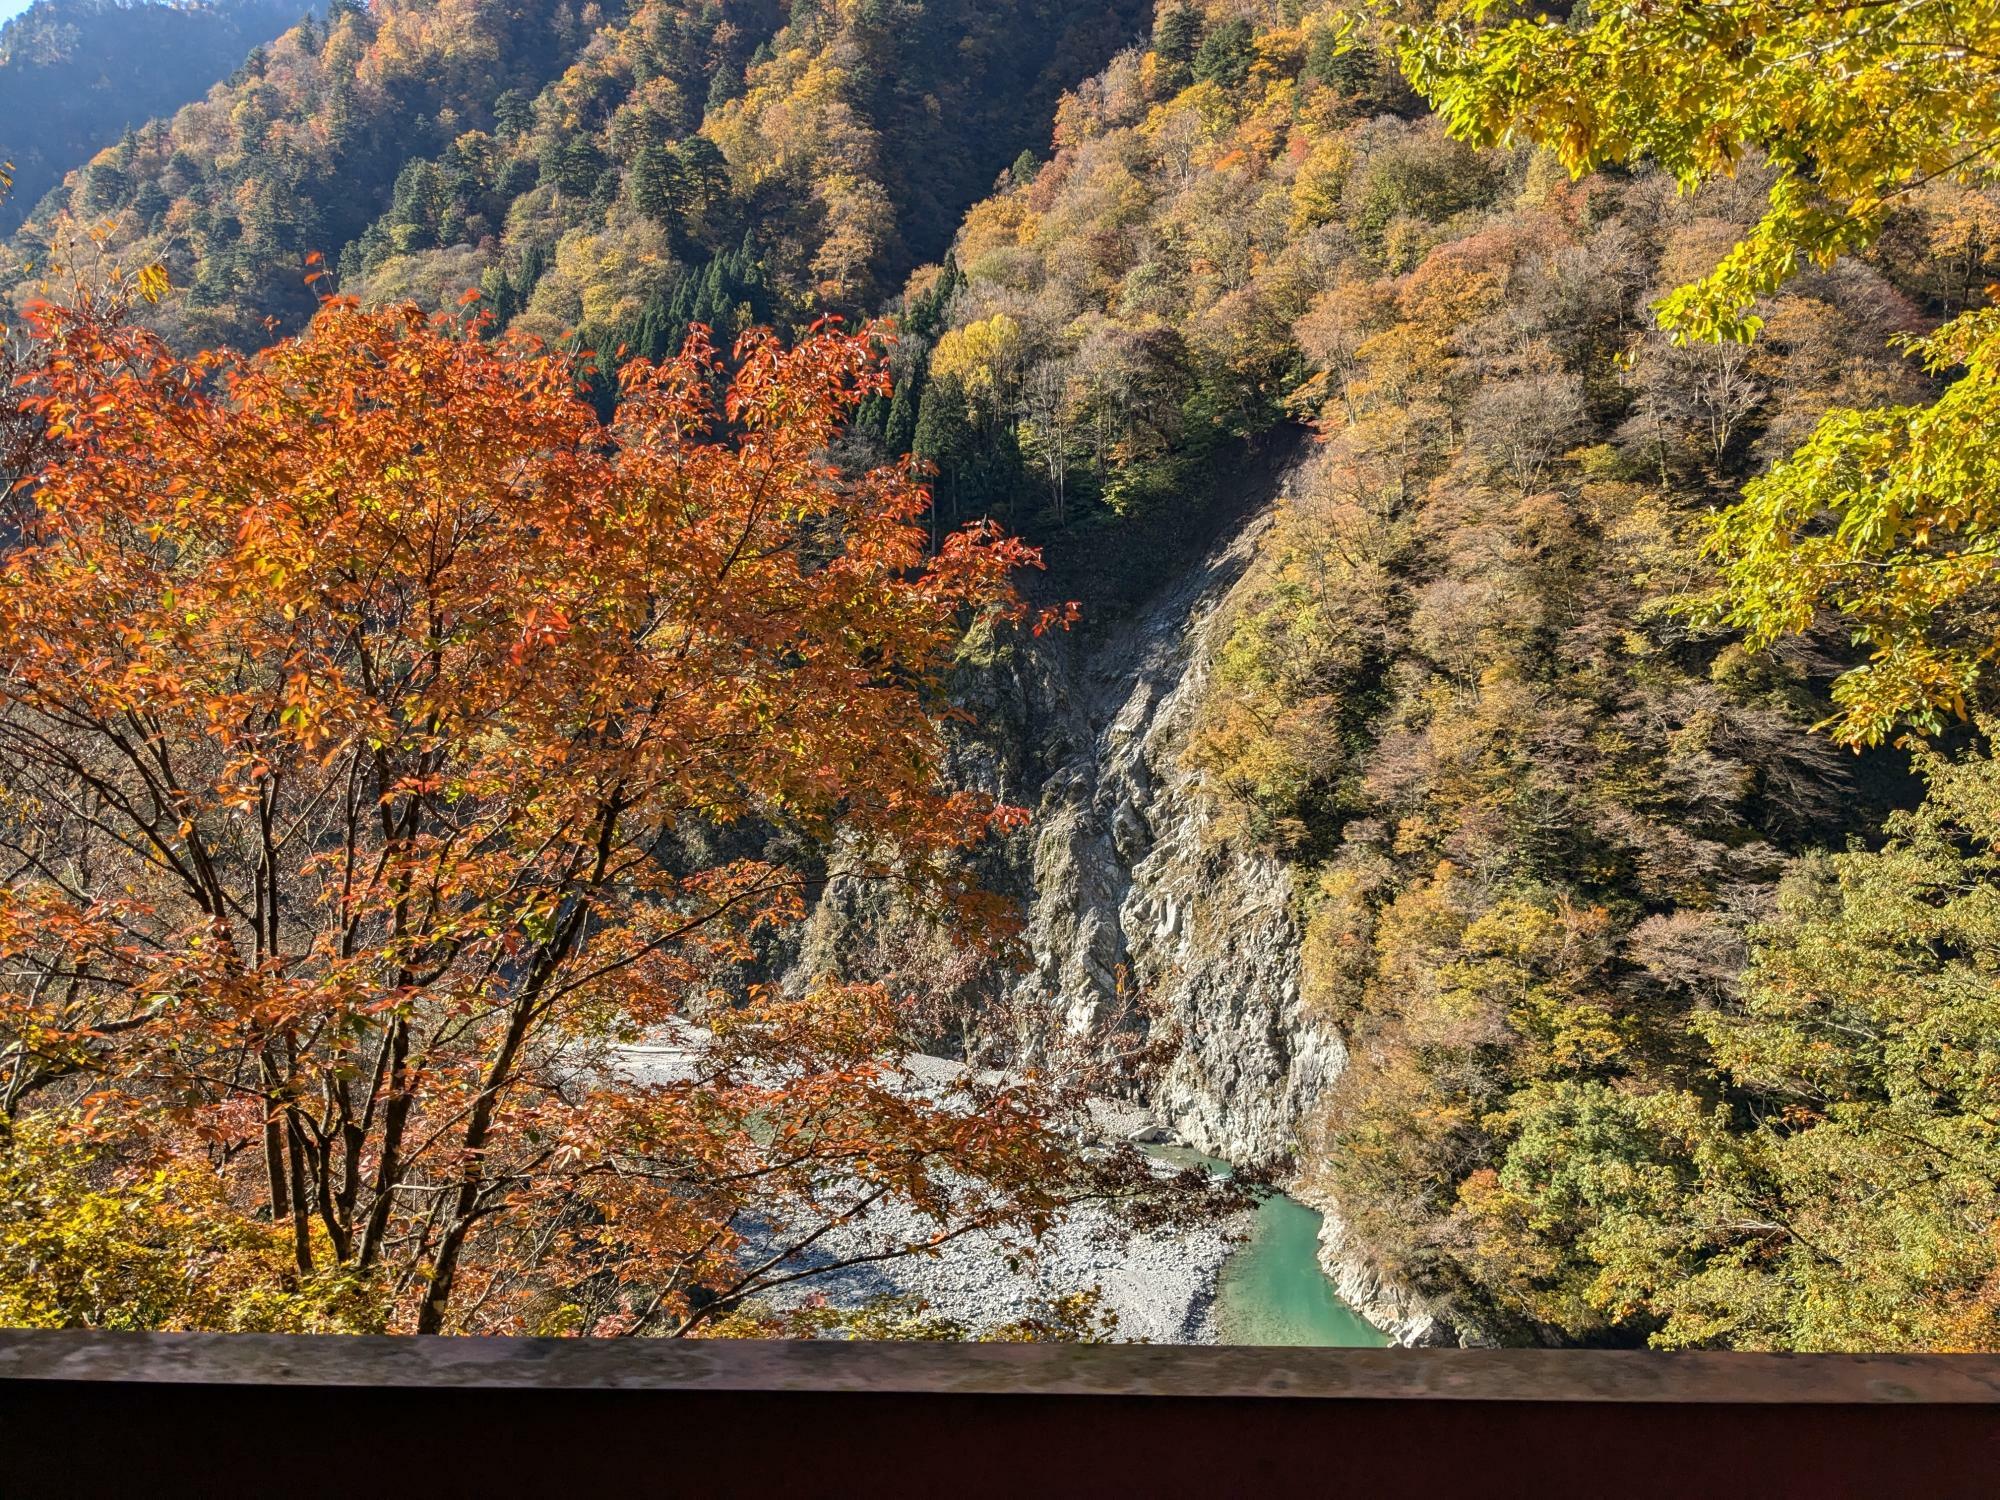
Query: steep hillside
{"type": "Point", "coordinates": [589, 168]}
{"type": "Point", "coordinates": [299, 152]}
{"type": "Point", "coordinates": [1413, 813]}
{"type": "Point", "coordinates": [75, 75]}
{"type": "Point", "coordinates": [660, 180]}
{"type": "Point", "coordinates": [1536, 816]}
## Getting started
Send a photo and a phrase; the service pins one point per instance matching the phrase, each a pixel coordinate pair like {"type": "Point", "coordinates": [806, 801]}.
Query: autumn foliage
{"type": "Point", "coordinates": [384, 740]}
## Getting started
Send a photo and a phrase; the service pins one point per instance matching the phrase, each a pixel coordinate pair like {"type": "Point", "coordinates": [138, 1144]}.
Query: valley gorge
{"type": "Point", "coordinates": [1149, 917]}
{"type": "Point", "coordinates": [1338, 613]}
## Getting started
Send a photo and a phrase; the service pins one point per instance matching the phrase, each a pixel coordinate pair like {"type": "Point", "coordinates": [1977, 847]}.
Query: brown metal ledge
{"type": "Point", "coordinates": [171, 1414]}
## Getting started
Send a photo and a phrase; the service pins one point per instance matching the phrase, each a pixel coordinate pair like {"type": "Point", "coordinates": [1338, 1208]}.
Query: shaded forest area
{"type": "Point", "coordinates": [76, 75]}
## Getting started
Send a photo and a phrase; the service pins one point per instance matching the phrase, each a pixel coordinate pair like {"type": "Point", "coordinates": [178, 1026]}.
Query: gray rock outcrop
{"type": "Point", "coordinates": [1358, 1283]}
{"type": "Point", "coordinates": [1148, 917]}
{"type": "Point", "coordinates": [1142, 897]}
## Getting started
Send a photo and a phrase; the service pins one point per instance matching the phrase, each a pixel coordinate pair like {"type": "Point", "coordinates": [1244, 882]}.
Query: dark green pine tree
{"type": "Point", "coordinates": [705, 174]}
{"type": "Point", "coordinates": [712, 305]}
{"type": "Point", "coordinates": [534, 261]}
{"type": "Point", "coordinates": [151, 203]}
{"type": "Point", "coordinates": [924, 318]}
{"type": "Point", "coordinates": [651, 334]}
{"type": "Point", "coordinates": [871, 419]}
{"type": "Point", "coordinates": [659, 188]}
{"type": "Point", "coordinates": [1176, 40]}
{"type": "Point", "coordinates": [994, 476]}
{"type": "Point", "coordinates": [423, 208]}
{"type": "Point", "coordinates": [573, 165]}
{"type": "Point", "coordinates": [944, 435]}
{"type": "Point", "coordinates": [512, 114]}
{"type": "Point", "coordinates": [498, 297]}
{"type": "Point", "coordinates": [106, 186]}
{"type": "Point", "coordinates": [899, 429]}
{"type": "Point", "coordinates": [727, 84]}
{"type": "Point", "coordinates": [1338, 63]}
{"type": "Point", "coordinates": [1225, 55]}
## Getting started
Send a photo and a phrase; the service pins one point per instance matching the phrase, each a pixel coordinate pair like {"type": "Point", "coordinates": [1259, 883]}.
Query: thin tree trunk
{"type": "Point", "coordinates": [394, 1117]}
{"type": "Point", "coordinates": [274, 1139]}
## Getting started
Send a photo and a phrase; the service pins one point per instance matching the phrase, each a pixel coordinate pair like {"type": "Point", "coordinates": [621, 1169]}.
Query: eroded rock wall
{"type": "Point", "coordinates": [1140, 891]}
{"type": "Point", "coordinates": [1143, 905]}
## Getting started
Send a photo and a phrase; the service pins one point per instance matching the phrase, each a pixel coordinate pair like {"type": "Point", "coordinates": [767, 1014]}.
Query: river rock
{"type": "Point", "coordinates": [1357, 1282]}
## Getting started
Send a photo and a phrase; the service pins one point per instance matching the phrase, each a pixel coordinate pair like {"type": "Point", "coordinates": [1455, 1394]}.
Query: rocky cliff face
{"type": "Point", "coordinates": [1145, 917]}
{"type": "Point", "coordinates": [1136, 883]}
{"type": "Point", "coordinates": [1358, 1283]}
{"type": "Point", "coordinates": [1139, 895]}
{"type": "Point", "coordinates": [1143, 908]}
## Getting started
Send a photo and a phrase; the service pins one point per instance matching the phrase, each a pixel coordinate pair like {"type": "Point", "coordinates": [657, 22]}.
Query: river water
{"type": "Point", "coordinates": [1272, 1289]}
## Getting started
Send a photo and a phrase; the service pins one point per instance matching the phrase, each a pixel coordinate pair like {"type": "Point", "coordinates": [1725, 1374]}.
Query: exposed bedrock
{"type": "Point", "coordinates": [1145, 910]}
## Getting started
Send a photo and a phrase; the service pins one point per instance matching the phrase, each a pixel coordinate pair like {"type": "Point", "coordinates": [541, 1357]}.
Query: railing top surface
{"type": "Point", "coordinates": [1574, 1375]}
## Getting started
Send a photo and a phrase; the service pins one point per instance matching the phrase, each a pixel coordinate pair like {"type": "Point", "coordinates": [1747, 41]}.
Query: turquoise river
{"type": "Point", "coordinates": [1272, 1289]}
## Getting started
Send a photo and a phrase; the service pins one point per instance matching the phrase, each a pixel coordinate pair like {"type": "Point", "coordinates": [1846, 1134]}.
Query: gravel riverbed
{"type": "Point", "coordinates": [1161, 1287]}
{"type": "Point", "coordinates": [1161, 1284]}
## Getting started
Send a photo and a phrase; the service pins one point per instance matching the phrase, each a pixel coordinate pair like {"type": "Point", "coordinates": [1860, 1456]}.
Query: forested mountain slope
{"type": "Point", "coordinates": [585, 166]}
{"type": "Point", "coordinates": [1608, 864]}
{"type": "Point", "coordinates": [75, 75]}
{"type": "Point", "coordinates": [1556, 844]}
{"type": "Point", "coordinates": [300, 152]}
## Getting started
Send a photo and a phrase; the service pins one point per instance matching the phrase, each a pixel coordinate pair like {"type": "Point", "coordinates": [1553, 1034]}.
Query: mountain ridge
{"type": "Point", "coordinates": [76, 74]}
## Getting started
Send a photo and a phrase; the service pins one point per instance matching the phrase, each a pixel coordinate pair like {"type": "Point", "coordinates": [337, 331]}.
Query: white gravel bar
{"type": "Point", "coordinates": [1160, 1284]}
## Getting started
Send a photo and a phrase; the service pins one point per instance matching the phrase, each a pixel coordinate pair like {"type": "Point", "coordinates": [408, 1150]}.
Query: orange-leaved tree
{"type": "Point", "coordinates": [386, 742]}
